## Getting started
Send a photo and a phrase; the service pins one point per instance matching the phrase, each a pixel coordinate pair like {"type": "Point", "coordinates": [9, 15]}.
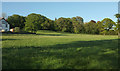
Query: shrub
{"type": "Point", "coordinates": [17, 29]}
{"type": "Point", "coordinates": [111, 32]}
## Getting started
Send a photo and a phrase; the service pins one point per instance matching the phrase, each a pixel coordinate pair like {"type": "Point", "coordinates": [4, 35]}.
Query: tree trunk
{"type": "Point", "coordinates": [118, 34]}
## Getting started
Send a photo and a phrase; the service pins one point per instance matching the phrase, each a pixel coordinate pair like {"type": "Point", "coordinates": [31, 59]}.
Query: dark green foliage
{"type": "Point", "coordinates": [92, 27]}
{"type": "Point", "coordinates": [64, 24]}
{"type": "Point", "coordinates": [73, 25]}
{"type": "Point", "coordinates": [78, 28]}
{"type": "Point", "coordinates": [34, 22]}
{"type": "Point", "coordinates": [100, 27]}
{"type": "Point", "coordinates": [78, 24]}
{"type": "Point", "coordinates": [16, 21]}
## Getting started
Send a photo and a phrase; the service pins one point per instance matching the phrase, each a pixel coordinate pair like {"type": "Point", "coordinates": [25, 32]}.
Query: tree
{"type": "Point", "coordinates": [100, 28]}
{"type": "Point", "coordinates": [16, 21]}
{"type": "Point", "coordinates": [118, 23]}
{"type": "Point", "coordinates": [78, 25]}
{"type": "Point", "coordinates": [36, 22]}
{"type": "Point", "coordinates": [107, 23]}
{"type": "Point", "coordinates": [117, 16]}
{"type": "Point", "coordinates": [47, 24]}
{"type": "Point", "coordinates": [64, 24]}
{"type": "Point", "coordinates": [78, 19]}
{"type": "Point", "coordinates": [32, 22]}
{"type": "Point", "coordinates": [52, 25]}
{"type": "Point", "coordinates": [91, 27]}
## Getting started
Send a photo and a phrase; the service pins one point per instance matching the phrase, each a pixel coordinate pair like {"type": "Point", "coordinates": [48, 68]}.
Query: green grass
{"type": "Point", "coordinates": [56, 50]}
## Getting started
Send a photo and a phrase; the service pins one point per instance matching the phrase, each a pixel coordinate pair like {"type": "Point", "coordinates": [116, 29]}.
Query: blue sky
{"type": "Point", "coordinates": [88, 10]}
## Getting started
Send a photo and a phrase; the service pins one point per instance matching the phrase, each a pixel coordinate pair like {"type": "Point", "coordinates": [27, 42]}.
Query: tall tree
{"type": "Point", "coordinates": [100, 27]}
{"type": "Point", "coordinates": [78, 19]}
{"type": "Point", "coordinates": [16, 21]}
{"type": "Point", "coordinates": [32, 22]}
{"type": "Point", "coordinates": [91, 27]}
{"type": "Point", "coordinates": [78, 24]}
{"type": "Point", "coordinates": [118, 23]}
{"type": "Point", "coordinates": [108, 23]}
{"type": "Point", "coordinates": [64, 24]}
{"type": "Point", "coordinates": [36, 22]}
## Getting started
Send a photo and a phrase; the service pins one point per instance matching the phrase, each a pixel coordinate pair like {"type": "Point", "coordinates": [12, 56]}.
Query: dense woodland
{"type": "Point", "coordinates": [34, 22]}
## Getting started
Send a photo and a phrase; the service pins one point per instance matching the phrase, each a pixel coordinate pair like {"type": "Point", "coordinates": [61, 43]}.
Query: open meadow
{"type": "Point", "coordinates": [56, 50]}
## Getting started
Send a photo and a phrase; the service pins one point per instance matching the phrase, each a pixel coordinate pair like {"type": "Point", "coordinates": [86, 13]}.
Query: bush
{"type": "Point", "coordinates": [17, 29]}
{"type": "Point", "coordinates": [111, 32]}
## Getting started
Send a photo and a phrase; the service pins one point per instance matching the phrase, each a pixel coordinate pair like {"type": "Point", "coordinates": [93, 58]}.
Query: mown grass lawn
{"type": "Point", "coordinates": [55, 50]}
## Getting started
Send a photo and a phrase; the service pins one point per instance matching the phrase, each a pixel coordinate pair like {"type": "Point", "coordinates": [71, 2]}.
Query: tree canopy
{"type": "Point", "coordinates": [108, 23]}
{"type": "Point", "coordinates": [16, 21]}
{"type": "Point", "coordinates": [34, 22]}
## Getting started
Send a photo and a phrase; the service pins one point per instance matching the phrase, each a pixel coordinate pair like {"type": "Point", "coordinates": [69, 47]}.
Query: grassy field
{"type": "Point", "coordinates": [55, 50]}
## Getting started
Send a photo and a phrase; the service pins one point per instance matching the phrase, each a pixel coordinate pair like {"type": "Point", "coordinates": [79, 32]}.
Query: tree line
{"type": "Point", "coordinates": [34, 22]}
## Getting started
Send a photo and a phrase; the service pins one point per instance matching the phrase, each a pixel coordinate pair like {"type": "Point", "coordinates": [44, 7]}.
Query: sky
{"type": "Point", "coordinates": [60, 0]}
{"type": "Point", "coordinates": [87, 10]}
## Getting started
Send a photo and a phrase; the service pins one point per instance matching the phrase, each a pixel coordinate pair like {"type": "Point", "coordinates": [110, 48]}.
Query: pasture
{"type": "Point", "coordinates": [56, 50]}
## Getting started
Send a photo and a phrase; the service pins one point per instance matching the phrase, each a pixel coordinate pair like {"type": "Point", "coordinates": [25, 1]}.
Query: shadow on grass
{"type": "Point", "coordinates": [52, 34]}
{"type": "Point", "coordinates": [8, 39]}
{"type": "Point", "coordinates": [99, 54]}
{"type": "Point", "coordinates": [6, 34]}
{"type": "Point", "coordinates": [17, 33]}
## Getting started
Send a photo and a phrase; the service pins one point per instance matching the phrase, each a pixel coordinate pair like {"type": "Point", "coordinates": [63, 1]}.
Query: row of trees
{"type": "Point", "coordinates": [34, 22]}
